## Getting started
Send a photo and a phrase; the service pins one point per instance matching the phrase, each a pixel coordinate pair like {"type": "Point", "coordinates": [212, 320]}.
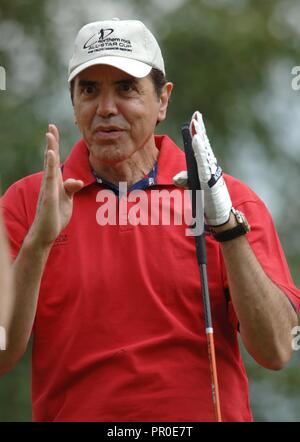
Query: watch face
{"type": "Point", "coordinates": [239, 216]}
{"type": "Point", "coordinates": [247, 225]}
{"type": "Point", "coordinates": [241, 219]}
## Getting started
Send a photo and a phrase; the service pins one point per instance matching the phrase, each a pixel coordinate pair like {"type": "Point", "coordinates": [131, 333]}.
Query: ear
{"type": "Point", "coordinates": [164, 101]}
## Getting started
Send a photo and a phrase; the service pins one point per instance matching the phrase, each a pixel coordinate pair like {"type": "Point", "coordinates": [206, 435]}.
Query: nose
{"type": "Point", "coordinates": [106, 106]}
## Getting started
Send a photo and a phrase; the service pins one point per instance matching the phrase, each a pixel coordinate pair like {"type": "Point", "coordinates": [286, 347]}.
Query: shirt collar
{"type": "Point", "coordinates": [148, 181]}
{"type": "Point", "coordinates": [171, 160]}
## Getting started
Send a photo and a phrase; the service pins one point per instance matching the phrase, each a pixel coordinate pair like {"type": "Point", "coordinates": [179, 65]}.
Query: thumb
{"type": "Point", "coordinates": [181, 179]}
{"type": "Point", "coordinates": [72, 186]}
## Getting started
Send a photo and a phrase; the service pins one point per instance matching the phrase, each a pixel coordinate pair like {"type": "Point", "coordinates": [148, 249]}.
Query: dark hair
{"type": "Point", "coordinates": [159, 80]}
{"type": "Point", "coordinates": [157, 76]}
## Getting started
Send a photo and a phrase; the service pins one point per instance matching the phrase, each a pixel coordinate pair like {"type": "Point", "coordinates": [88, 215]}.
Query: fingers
{"type": "Point", "coordinates": [54, 131]}
{"type": "Point", "coordinates": [70, 186]}
{"type": "Point", "coordinates": [50, 171]}
{"type": "Point", "coordinates": [199, 136]}
{"type": "Point", "coordinates": [52, 141]}
{"type": "Point", "coordinates": [195, 117]}
{"type": "Point", "coordinates": [197, 126]}
{"type": "Point", "coordinates": [50, 166]}
{"type": "Point", "coordinates": [50, 160]}
{"type": "Point", "coordinates": [51, 146]}
{"type": "Point", "coordinates": [193, 129]}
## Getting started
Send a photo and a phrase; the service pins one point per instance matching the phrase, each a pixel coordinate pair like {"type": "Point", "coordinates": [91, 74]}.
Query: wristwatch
{"type": "Point", "coordinates": [242, 228]}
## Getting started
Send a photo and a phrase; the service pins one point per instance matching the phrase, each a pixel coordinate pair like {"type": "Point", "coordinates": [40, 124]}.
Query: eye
{"type": "Point", "coordinates": [126, 86]}
{"type": "Point", "coordinates": [88, 90]}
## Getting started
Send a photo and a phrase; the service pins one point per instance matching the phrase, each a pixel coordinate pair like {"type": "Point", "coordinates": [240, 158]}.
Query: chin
{"type": "Point", "coordinates": [109, 154]}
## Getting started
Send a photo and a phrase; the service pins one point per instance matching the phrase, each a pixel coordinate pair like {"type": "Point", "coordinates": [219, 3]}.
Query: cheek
{"type": "Point", "coordinates": [84, 118]}
{"type": "Point", "coordinates": [143, 117]}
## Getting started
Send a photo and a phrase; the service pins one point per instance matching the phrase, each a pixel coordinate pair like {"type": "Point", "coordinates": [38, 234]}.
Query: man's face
{"type": "Point", "coordinates": [116, 113]}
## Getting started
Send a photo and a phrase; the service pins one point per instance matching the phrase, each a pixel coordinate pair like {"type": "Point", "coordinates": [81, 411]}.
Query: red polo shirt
{"type": "Point", "coordinates": [119, 332]}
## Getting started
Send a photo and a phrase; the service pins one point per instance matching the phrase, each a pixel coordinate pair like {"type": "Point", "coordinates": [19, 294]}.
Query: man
{"type": "Point", "coordinates": [115, 308]}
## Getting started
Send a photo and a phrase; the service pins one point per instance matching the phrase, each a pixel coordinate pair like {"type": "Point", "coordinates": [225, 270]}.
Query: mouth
{"type": "Point", "coordinates": [107, 128]}
{"type": "Point", "coordinates": [108, 132]}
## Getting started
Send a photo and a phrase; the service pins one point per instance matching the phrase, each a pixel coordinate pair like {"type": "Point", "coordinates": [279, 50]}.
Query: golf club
{"type": "Point", "coordinates": [194, 185]}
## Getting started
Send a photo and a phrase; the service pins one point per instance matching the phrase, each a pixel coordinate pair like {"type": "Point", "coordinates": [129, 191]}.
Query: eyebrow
{"type": "Point", "coordinates": [84, 83]}
{"type": "Point", "coordinates": [127, 80]}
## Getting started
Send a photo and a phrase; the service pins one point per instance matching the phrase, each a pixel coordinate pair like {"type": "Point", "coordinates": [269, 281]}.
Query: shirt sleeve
{"type": "Point", "coordinates": [266, 246]}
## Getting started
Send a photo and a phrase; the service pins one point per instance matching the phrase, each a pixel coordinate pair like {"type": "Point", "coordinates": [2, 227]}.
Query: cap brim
{"type": "Point", "coordinates": [132, 67]}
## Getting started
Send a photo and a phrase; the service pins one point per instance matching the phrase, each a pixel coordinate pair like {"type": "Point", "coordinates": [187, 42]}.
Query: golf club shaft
{"type": "Point", "coordinates": [194, 185]}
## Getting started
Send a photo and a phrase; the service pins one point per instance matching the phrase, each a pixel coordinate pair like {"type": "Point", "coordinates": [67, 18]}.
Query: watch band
{"type": "Point", "coordinates": [230, 234]}
{"type": "Point", "coordinates": [241, 229]}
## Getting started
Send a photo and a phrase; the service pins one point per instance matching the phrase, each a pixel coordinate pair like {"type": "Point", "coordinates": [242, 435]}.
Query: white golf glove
{"type": "Point", "coordinates": [217, 202]}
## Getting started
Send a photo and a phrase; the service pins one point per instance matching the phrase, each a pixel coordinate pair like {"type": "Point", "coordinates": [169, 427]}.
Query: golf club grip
{"type": "Point", "coordinates": [193, 179]}
{"type": "Point", "coordinates": [193, 185]}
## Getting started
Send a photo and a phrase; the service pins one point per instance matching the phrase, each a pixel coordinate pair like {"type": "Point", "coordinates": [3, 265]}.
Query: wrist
{"type": "Point", "coordinates": [236, 226]}
{"type": "Point", "coordinates": [33, 243]}
{"type": "Point", "coordinates": [230, 224]}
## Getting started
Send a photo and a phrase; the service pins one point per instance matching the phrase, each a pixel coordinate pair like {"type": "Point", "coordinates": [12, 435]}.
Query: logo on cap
{"type": "Point", "coordinates": [103, 34]}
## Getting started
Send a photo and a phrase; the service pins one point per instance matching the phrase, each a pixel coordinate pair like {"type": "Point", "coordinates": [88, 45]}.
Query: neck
{"type": "Point", "coordinates": [130, 170]}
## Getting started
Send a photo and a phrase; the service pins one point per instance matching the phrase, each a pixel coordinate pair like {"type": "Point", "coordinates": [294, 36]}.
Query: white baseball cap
{"type": "Point", "coordinates": [125, 44]}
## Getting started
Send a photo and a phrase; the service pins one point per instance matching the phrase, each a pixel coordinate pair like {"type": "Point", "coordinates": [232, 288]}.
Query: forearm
{"type": "Point", "coordinates": [265, 314]}
{"type": "Point", "coordinates": [5, 270]}
{"type": "Point", "coordinates": [18, 310]}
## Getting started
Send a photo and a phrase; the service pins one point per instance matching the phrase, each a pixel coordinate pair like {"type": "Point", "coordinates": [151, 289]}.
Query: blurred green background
{"type": "Point", "coordinates": [230, 59]}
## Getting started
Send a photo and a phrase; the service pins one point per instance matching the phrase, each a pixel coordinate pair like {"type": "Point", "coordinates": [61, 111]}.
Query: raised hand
{"type": "Point", "coordinates": [217, 202]}
{"type": "Point", "coordinates": [55, 203]}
